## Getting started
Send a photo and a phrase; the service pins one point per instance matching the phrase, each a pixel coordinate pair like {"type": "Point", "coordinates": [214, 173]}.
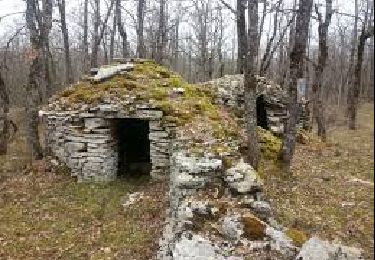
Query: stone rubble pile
{"type": "Point", "coordinates": [243, 179]}
{"type": "Point", "coordinates": [236, 224]}
{"type": "Point", "coordinates": [317, 249]}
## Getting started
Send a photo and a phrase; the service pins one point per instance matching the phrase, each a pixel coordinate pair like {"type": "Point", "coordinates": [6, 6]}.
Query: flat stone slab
{"type": "Point", "coordinates": [104, 73]}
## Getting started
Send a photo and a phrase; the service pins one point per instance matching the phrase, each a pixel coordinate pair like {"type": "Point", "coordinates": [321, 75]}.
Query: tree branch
{"type": "Point", "coordinates": [228, 6]}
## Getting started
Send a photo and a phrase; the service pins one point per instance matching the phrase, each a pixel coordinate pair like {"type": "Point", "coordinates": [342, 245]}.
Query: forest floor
{"type": "Point", "coordinates": [330, 192]}
{"type": "Point", "coordinates": [46, 214]}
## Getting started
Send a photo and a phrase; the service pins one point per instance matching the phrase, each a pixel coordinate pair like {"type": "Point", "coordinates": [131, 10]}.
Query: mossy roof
{"type": "Point", "coordinates": [208, 126]}
{"type": "Point", "coordinates": [182, 103]}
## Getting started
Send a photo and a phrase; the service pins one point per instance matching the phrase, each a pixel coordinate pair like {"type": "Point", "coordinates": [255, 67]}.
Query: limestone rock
{"type": "Point", "coordinates": [243, 179]}
{"type": "Point", "coordinates": [232, 227]}
{"type": "Point", "coordinates": [262, 209]}
{"type": "Point", "coordinates": [132, 199]}
{"type": "Point", "coordinates": [195, 248]}
{"type": "Point", "coordinates": [317, 249]}
{"type": "Point", "coordinates": [280, 241]}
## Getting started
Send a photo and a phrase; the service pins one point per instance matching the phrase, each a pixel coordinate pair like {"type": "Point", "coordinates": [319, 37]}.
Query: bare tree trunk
{"type": "Point", "coordinates": [176, 45]}
{"type": "Point", "coordinates": [140, 40]}
{"type": "Point", "coordinates": [270, 41]}
{"type": "Point", "coordinates": [355, 87]}
{"type": "Point", "coordinates": [95, 45]}
{"type": "Point", "coordinates": [112, 39]}
{"type": "Point", "coordinates": [350, 74]}
{"type": "Point", "coordinates": [4, 110]}
{"type": "Point", "coordinates": [35, 81]}
{"type": "Point", "coordinates": [122, 30]}
{"type": "Point", "coordinates": [98, 35]}
{"type": "Point", "coordinates": [318, 110]}
{"type": "Point", "coordinates": [261, 26]}
{"type": "Point", "coordinates": [296, 71]}
{"type": "Point", "coordinates": [190, 59]}
{"type": "Point", "coordinates": [44, 19]}
{"type": "Point", "coordinates": [250, 84]}
{"type": "Point", "coordinates": [274, 49]}
{"type": "Point", "coordinates": [242, 35]}
{"type": "Point", "coordinates": [220, 44]}
{"type": "Point", "coordinates": [85, 44]}
{"type": "Point", "coordinates": [161, 35]}
{"type": "Point", "coordinates": [105, 47]}
{"type": "Point", "coordinates": [292, 32]}
{"type": "Point", "coordinates": [370, 92]}
{"type": "Point", "coordinates": [69, 78]}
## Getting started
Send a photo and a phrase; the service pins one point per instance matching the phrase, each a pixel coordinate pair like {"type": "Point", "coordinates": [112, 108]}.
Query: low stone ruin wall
{"type": "Point", "coordinates": [85, 139]}
{"type": "Point", "coordinates": [229, 91]}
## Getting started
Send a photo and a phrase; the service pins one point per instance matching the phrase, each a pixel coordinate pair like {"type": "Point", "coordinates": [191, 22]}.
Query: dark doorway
{"type": "Point", "coordinates": [133, 147]}
{"type": "Point", "coordinates": [261, 112]}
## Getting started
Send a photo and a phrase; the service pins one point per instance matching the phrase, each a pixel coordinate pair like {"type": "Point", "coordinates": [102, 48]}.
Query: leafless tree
{"type": "Point", "coordinates": [121, 29]}
{"type": "Point", "coordinates": [367, 31]}
{"type": "Point", "coordinates": [85, 43]}
{"type": "Point", "coordinates": [140, 39]}
{"type": "Point", "coordinates": [267, 52]}
{"type": "Point", "coordinates": [99, 31]}
{"type": "Point", "coordinates": [296, 71]}
{"type": "Point", "coordinates": [68, 63]}
{"type": "Point", "coordinates": [318, 110]}
{"type": "Point", "coordinates": [242, 35]}
{"type": "Point", "coordinates": [4, 110]}
{"type": "Point", "coordinates": [161, 35]}
{"type": "Point", "coordinates": [39, 23]}
{"type": "Point", "coordinates": [247, 55]}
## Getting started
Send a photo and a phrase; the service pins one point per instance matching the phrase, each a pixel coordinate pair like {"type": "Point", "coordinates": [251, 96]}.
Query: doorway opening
{"type": "Point", "coordinates": [261, 112]}
{"type": "Point", "coordinates": [133, 147]}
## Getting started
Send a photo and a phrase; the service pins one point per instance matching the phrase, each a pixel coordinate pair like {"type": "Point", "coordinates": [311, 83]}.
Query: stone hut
{"type": "Point", "coordinates": [271, 101]}
{"type": "Point", "coordinates": [131, 117]}
{"type": "Point", "coordinates": [121, 120]}
{"type": "Point", "coordinates": [137, 117]}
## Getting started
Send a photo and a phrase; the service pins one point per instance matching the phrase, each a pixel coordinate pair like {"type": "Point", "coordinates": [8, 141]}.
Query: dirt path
{"type": "Point", "coordinates": [331, 191]}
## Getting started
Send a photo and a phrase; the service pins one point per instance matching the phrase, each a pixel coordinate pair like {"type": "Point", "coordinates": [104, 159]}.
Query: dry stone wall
{"type": "Point", "coordinates": [85, 139]}
{"type": "Point", "coordinates": [229, 91]}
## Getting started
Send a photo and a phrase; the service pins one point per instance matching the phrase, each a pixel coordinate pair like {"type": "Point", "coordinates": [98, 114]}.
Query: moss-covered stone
{"type": "Point", "coordinates": [297, 236]}
{"type": "Point", "coordinates": [183, 104]}
{"type": "Point", "coordinates": [270, 145]}
{"type": "Point", "coordinates": [254, 228]}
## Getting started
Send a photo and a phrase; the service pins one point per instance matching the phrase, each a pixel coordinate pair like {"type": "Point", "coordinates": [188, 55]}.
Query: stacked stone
{"type": "Point", "coordinates": [304, 116]}
{"type": "Point", "coordinates": [160, 145]}
{"type": "Point", "coordinates": [187, 175]}
{"type": "Point", "coordinates": [84, 138]}
{"type": "Point", "coordinates": [229, 91]}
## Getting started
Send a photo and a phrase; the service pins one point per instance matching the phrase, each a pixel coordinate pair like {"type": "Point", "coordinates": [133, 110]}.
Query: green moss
{"type": "Point", "coordinates": [175, 82]}
{"type": "Point", "coordinates": [150, 82]}
{"type": "Point", "coordinates": [270, 145]}
{"type": "Point", "coordinates": [297, 236]}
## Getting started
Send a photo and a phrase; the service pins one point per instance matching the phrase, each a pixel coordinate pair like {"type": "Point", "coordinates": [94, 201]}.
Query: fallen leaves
{"type": "Point", "coordinates": [321, 197]}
